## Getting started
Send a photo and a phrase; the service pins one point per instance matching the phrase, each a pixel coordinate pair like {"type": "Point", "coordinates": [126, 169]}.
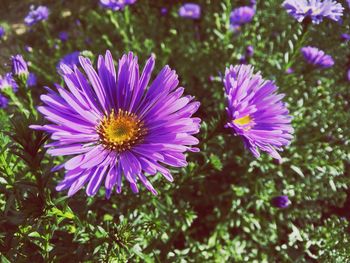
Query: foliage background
{"type": "Point", "coordinates": [218, 208]}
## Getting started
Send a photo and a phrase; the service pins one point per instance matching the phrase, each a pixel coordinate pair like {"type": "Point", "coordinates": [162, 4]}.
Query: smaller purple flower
{"type": "Point", "coordinates": [2, 32]}
{"type": "Point", "coordinates": [19, 66]}
{"type": "Point", "coordinates": [8, 82]}
{"type": "Point", "coordinates": [116, 5]}
{"type": "Point", "coordinates": [27, 48]}
{"type": "Point", "coordinates": [70, 59]}
{"type": "Point", "coordinates": [290, 71]}
{"type": "Point", "coordinates": [316, 10]}
{"type": "Point", "coordinates": [63, 36]}
{"type": "Point", "coordinates": [3, 102]}
{"type": "Point", "coordinates": [164, 11]}
{"type": "Point", "coordinates": [32, 80]}
{"type": "Point", "coordinates": [36, 15]}
{"type": "Point", "coordinates": [345, 37]}
{"type": "Point", "coordinates": [348, 75]}
{"type": "Point", "coordinates": [190, 10]}
{"type": "Point", "coordinates": [348, 2]}
{"type": "Point", "coordinates": [281, 201]}
{"type": "Point", "coordinates": [241, 15]}
{"type": "Point", "coordinates": [317, 57]}
{"type": "Point", "coordinates": [249, 51]}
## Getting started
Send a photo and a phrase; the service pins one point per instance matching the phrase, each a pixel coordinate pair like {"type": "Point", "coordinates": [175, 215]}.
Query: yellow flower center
{"type": "Point", "coordinates": [243, 121]}
{"type": "Point", "coordinates": [120, 131]}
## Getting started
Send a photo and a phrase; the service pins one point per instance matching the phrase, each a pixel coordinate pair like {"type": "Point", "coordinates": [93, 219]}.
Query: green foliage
{"type": "Point", "coordinates": [218, 208]}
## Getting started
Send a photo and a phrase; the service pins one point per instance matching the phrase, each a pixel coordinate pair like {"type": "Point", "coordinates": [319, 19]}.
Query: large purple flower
{"type": "Point", "coordinates": [118, 124]}
{"type": "Point", "coordinates": [116, 5]}
{"type": "Point", "coordinates": [317, 57]}
{"type": "Point", "coordinates": [241, 15]}
{"type": "Point", "coordinates": [256, 112]}
{"type": "Point", "coordinates": [191, 11]}
{"type": "Point", "coordinates": [316, 10]}
{"type": "Point", "coordinates": [36, 15]}
{"type": "Point", "coordinates": [8, 82]}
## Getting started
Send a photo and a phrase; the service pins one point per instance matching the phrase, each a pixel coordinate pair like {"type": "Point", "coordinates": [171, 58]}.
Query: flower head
{"type": "Point", "coordinates": [317, 57]}
{"type": "Point", "coordinates": [191, 11]}
{"type": "Point", "coordinates": [241, 15]}
{"type": "Point", "coordinates": [116, 5]}
{"type": "Point", "coordinates": [2, 32]}
{"type": "Point", "coordinates": [36, 15]}
{"type": "Point", "coordinates": [19, 65]}
{"type": "Point", "coordinates": [345, 37]}
{"type": "Point", "coordinates": [3, 102]}
{"type": "Point", "coordinates": [70, 59]}
{"type": "Point", "coordinates": [31, 81]}
{"type": "Point", "coordinates": [316, 10]}
{"type": "Point", "coordinates": [256, 112]}
{"type": "Point", "coordinates": [63, 36]}
{"type": "Point", "coordinates": [249, 51]}
{"type": "Point", "coordinates": [8, 82]}
{"type": "Point", "coordinates": [118, 124]}
{"type": "Point", "coordinates": [281, 201]}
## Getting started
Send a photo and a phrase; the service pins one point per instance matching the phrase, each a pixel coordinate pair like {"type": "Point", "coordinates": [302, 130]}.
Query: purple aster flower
{"type": "Point", "coordinates": [19, 66]}
{"type": "Point", "coordinates": [317, 57]}
{"type": "Point", "coordinates": [27, 48]}
{"type": "Point", "coordinates": [249, 51]}
{"type": "Point", "coordinates": [3, 102]}
{"type": "Point", "coordinates": [63, 36]}
{"type": "Point", "coordinates": [118, 124]}
{"type": "Point", "coordinates": [70, 59]}
{"type": "Point", "coordinates": [116, 5]}
{"type": "Point", "coordinates": [281, 201]}
{"type": "Point", "coordinates": [31, 81]}
{"type": "Point", "coordinates": [348, 1]}
{"type": "Point", "coordinates": [345, 37]}
{"type": "Point", "coordinates": [2, 31]}
{"type": "Point", "coordinates": [36, 15]}
{"type": "Point", "coordinates": [241, 15]}
{"type": "Point", "coordinates": [190, 10]}
{"type": "Point", "coordinates": [348, 75]}
{"type": "Point", "coordinates": [164, 11]}
{"type": "Point", "coordinates": [316, 10]}
{"type": "Point", "coordinates": [8, 82]}
{"type": "Point", "coordinates": [256, 112]}
{"type": "Point", "coordinates": [290, 71]}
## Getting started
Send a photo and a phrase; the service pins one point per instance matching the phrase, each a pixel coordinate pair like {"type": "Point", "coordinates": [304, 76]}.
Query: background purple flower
{"type": "Point", "coordinates": [3, 102]}
{"type": "Point", "coordinates": [19, 65]}
{"type": "Point", "coordinates": [348, 75]}
{"type": "Point", "coordinates": [256, 112]}
{"type": "Point", "coordinates": [2, 32]}
{"type": "Point", "coordinates": [241, 15]}
{"type": "Point", "coordinates": [345, 37]}
{"type": "Point", "coordinates": [28, 48]}
{"type": "Point", "coordinates": [281, 201]}
{"type": "Point", "coordinates": [164, 11]}
{"type": "Point", "coordinates": [317, 57]}
{"type": "Point", "coordinates": [36, 15]}
{"type": "Point", "coordinates": [316, 10]}
{"type": "Point", "coordinates": [63, 36]}
{"type": "Point", "coordinates": [116, 5]}
{"type": "Point", "coordinates": [190, 10]}
{"type": "Point", "coordinates": [118, 124]}
{"type": "Point", "coordinates": [249, 51]}
{"type": "Point", "coordinates": [8, 82]}
{"type": "Point", "coordinates": [70, 59]}
{"type": "Point", "coordinates": [32, 80]}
